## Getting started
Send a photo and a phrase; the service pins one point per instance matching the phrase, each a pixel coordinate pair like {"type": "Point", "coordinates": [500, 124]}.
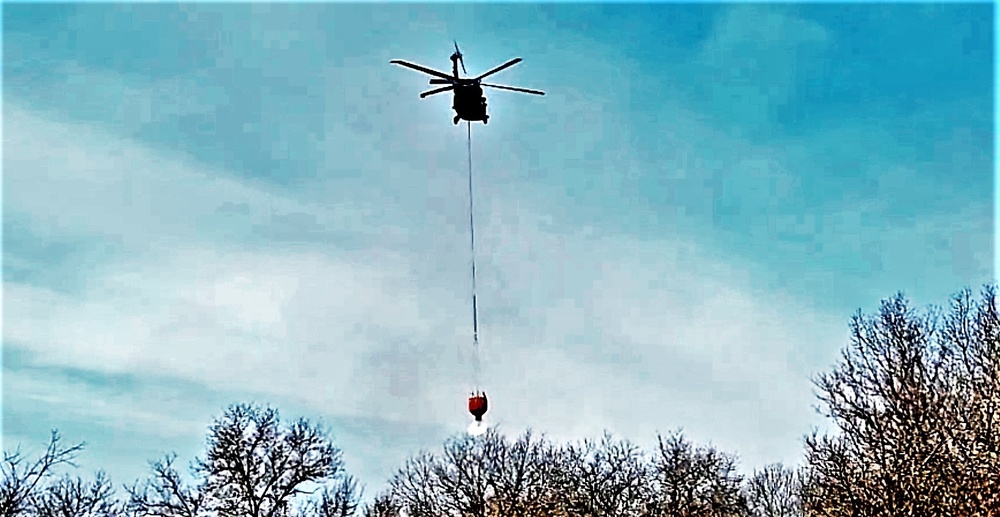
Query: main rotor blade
{"type": "Point", "coordinates": [439, 90]}
{"type": "Point", "coordinates": [513, 89]}
{"type": "Point", "coordinates": [419, 68]}
{"type": "Point", "coordinates": [506, 65]}
{"type": "Point", "coordinates": [442, 81]}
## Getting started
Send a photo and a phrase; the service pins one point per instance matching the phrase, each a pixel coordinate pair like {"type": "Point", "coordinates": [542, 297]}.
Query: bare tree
{"type": "Point", "coordinates": [839, 482]}
{"type": "Point", "coordinates": [775, 491]}
{"type": "Point", "coordinates": [694, 482]}
{"type": "Point", "coordinates": [520, 476]}
{"type": "Point", "coordinates": [464, 473]}
{"type": "Point", "coordinates": [341, 500]}
{"type": "Point", "coordinates": [254, 466]}
{"type": "Point", "coordinates": [882, 396]}
{"type": "Point", "coordinates": [382, 506]}
{"type": "Point", "coordinates": [608, 479]}
{"type": "Point", "coordinates": [972, 331]}
{"type": "Point", "coordinates": [415, 489]}
{"type": "Point", "coordinates": [166, 494]}
{"type": "Point", "coordinates": [490, 476]}
{"type": "Point", "coordinates": [21, 478]}
{"type": "Point", "coordinates": [479, 477]}
{"type": "Point", "coordinates": [916, 405]}
{"type": "Point", "coordinates": [73, 497]}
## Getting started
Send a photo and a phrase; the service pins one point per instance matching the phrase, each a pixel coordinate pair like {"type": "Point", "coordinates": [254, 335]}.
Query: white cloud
{"type": "Point", "coordinates": [575, 323]}
{"type": "Point", "coordinates": [141, 188]}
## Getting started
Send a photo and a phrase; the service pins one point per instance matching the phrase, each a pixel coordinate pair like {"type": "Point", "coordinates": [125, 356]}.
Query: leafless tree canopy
{"type": "Point", "coordinates": [382, 506]}
{"type": "Point", "coordinates": [342, 500]}
{"type": "Point", "coordinates": [23, 478]}
{"type": "Point", "coordinates": [415, 488]}
{"type": "Point", "coordinates": [695, 481]}
{"type": "Point", "coordinates": [478, 477]}
{"type": "Point", "coordinates": [916, 399]}
{"type": "Point", "coordinates": [973, 440]}
{"type": "Point", "coordinates": [166, 495]}
{"type": "Point", "coordinates": [530, 476]}
{"type": "Point", "coordinates": [255, 466]}
{"type": "Point", "coordinates": [609, 478]}
{"type": "Point", "coordinates": [519, 476]}
{"type": "Point", "coordinates": [73, 497]}
{"type": "Point", "coordinates": [775, 491]}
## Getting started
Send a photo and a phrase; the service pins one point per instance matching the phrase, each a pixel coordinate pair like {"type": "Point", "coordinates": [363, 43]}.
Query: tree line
{"type": "Point", "coordinates": [915, 399]}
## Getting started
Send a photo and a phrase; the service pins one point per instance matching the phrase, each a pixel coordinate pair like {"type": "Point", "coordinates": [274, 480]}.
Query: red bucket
{"type": "Point", "coordinates": [478, 405]}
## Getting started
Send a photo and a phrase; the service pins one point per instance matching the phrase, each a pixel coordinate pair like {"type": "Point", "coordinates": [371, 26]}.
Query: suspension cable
{"type": "Point", "coordinates": [472, 242]}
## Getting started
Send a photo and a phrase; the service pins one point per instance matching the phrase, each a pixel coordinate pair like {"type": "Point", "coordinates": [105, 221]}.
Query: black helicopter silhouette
{"type": "Point", "coordinates": [469, 102]}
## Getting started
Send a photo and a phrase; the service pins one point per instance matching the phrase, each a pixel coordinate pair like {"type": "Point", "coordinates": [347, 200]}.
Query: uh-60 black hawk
{"type": "Point", "coordinates": [469, 102]}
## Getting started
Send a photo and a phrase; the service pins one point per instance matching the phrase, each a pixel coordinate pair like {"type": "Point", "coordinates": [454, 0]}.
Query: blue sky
{"type": "Point", "coordinates": [206, 204]}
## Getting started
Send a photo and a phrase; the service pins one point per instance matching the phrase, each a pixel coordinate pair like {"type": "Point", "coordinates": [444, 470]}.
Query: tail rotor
{"type": "Point", "coordinates": [458, 56]}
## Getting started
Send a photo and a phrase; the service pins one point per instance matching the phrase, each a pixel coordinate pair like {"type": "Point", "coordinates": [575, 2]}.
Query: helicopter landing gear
{"type": "Point", "coordinates": [486, 119]}
{"type": "Point", "coordinates": [457, 118]}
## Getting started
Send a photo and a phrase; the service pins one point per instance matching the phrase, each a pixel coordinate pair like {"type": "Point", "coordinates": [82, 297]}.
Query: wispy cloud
{"type": "Point", "coordinates": [374, 332]}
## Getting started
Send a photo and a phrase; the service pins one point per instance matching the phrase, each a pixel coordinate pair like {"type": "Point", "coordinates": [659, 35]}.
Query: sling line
{"type": "Point", "coordinates": [472, 241]}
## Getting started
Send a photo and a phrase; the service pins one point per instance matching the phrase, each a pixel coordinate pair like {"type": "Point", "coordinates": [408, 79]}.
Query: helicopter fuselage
{"type": "Point", "coordinates": [469, 103]}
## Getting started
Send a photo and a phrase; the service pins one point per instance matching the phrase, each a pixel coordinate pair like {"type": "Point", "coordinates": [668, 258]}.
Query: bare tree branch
{"type": "Point", "coordinates": [520, 476]}
{"type": "Point", "coordinates": [382, 506]}
{"type": "Point", "coordinates": [21, 478]}
{"type": "Point", "coordinates": [72, 497]}
{"type": "Point", "coordinates": [611, 478]}
{"type": "Point", "coordinates": [166, 495]}
{"type": "Point", "coordinates": [342, 500]}
{"type": "Point", "coordinates": [695, 482]}
{"type": "Point", "coordinates": [775, 491]}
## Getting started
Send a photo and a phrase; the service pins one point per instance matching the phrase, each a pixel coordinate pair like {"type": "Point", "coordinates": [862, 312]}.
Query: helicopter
{"type": "Point", "coordinates": [469, 102]}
